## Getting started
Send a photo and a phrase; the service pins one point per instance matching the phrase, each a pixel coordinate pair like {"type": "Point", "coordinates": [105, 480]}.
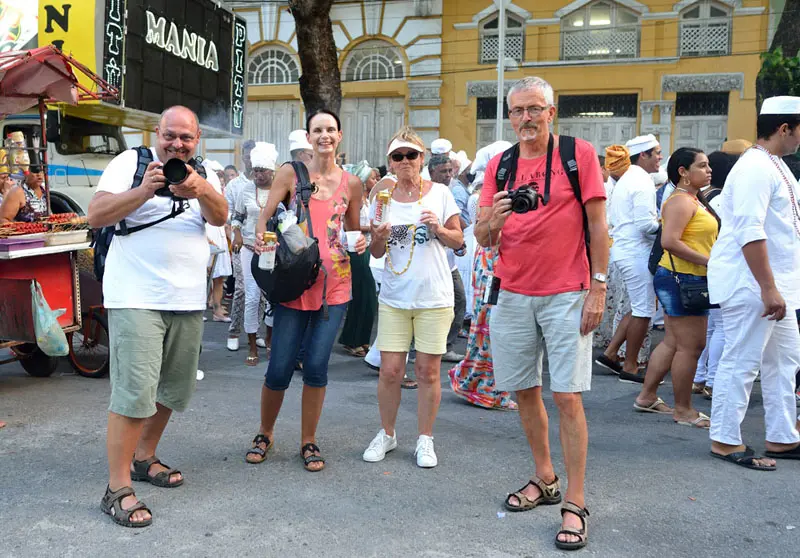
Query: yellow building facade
{"type": "Point", "coordinates": [684, 71]}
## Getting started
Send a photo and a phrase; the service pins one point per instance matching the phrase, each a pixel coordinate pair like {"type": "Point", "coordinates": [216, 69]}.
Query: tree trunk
{"type": "Point", "coordinates": [320, 82]}
{"type": "Point", "coordinates": [786, 34]}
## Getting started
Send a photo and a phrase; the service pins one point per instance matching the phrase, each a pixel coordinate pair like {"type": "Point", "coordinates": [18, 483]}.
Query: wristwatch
{"type": "Point", "coordinates": [600, 277]}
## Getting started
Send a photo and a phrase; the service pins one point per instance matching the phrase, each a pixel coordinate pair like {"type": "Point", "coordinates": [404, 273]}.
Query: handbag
{"type": "Point", "coordinates": [694, 296]}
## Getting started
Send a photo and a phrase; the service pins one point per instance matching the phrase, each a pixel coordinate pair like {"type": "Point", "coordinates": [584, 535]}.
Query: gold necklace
{"type": "Point", "coordinates": [413, 235]}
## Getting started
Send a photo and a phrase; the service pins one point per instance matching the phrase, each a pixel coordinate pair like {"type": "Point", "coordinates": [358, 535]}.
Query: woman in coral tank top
{"type": "Point", "coordinates": [336, 200]}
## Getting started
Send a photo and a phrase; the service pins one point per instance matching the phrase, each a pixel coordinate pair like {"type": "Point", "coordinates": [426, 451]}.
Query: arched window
{"type": "Point", "coordinates": [705, 29]}
{"type": "Point", "coordinates": [272, 66]}
{"type": "Point", "coordinates": [600, 30]}
{"type": "Point", "coordinates": [490, 39]}
{"type": "Point", "coordinates": [373, 60]}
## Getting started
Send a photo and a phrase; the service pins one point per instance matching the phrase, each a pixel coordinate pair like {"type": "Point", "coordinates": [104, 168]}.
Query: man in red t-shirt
{"type": "Point", "coordinates": [547, 297]}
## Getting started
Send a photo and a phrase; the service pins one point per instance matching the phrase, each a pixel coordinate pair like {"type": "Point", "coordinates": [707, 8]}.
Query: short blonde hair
{"type": "Point", "coordinates": [407, 133]}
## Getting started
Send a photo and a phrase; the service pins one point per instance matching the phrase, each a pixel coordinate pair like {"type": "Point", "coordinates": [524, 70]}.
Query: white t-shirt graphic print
{"type": "Point", "coordinates": [428, 282]}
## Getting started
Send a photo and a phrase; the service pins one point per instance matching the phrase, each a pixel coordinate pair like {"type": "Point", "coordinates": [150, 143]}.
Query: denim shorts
{"type": "Point", "coordinates": [669, 294]}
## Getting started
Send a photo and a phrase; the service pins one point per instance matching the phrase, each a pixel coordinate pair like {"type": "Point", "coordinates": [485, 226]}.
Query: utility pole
{"type": "Point", "coordinates": [501, 67]}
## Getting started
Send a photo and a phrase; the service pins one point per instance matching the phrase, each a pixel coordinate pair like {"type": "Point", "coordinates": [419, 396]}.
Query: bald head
{"type": "Point", "coordinates": [177, 134]}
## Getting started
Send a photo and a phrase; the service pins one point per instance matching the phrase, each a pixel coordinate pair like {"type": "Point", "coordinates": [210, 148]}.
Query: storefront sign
{"type": "Point", "coordinates": [70, 26]}
{"type": "Point", "coordinates": [180, 52]}
{"type": "Point", "coordinates": [192, 47]}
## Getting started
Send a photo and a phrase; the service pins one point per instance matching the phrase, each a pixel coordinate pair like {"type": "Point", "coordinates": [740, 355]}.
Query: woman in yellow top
{"type": "Point", "coordinates": [689, 230]}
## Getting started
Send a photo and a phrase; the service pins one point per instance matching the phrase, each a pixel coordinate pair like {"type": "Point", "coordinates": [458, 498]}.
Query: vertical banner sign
{"type": "Point", "coordinates": [70, 26]}
{"type": "Point", "coordinates": [238, 77]}
{"type": "Point", "coordinates": [114, 45]}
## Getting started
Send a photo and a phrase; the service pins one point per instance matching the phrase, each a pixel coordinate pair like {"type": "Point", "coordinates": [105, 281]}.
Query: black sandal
{"type": "Point", "coordinates": [582, 533]}
{"type": "Point", "coordinates": [255, 450]}
{"type": "Point", "coordinates": [311, 449]}
{"type": "Point", "coordinates": [746, 458]}
{"type": "Point", "coordinates": [550, 495]}
{"type": "Point", "coordinates": [141, 472]}
{"type": "Point", "coordinates": [111, 504]}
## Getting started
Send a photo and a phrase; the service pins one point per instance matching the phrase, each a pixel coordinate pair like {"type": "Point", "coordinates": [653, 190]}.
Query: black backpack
{"type": "Point", "coordinates": [293, 274]}
{"type": "Point", "coordinates": [507, 171]}
{"type": "Point", "coordinates": [103, 236]}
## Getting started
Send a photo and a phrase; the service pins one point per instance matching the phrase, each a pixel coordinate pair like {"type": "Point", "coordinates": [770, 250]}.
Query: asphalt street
{"type": "Point", "coordinates": [653, 490]}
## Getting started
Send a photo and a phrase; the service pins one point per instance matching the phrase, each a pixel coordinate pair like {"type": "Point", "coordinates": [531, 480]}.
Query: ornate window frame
{"type": "Point", "coordinates": [272, 65]}
{"type": "Point", "coordinates": [490, 39]}
{"type": "Point", "coordinates": [706, 34]}
{"type": "Point", "coordinates": [581, 39]}
{"type": "Point", "coordinates": [374, 60]}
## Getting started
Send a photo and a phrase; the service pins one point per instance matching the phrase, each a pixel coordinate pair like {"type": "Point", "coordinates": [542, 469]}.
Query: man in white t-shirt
{"type": "Point", "coordinates": [440, 168]}
{"type": "Point", "coordinates": [154, 288]}
{"type": "Point", "coordinates": [753, 275]}
{"type": "Point", "coordinates": [633, 220]}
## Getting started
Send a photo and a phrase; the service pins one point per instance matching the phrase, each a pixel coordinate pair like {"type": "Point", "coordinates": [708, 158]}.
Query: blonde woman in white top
{"type": "Point", "coordinates": [416, 299]}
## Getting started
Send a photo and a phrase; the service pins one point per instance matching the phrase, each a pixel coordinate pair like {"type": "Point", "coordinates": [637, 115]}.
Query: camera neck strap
{"type": "Point", "coordinates": [507, 169]}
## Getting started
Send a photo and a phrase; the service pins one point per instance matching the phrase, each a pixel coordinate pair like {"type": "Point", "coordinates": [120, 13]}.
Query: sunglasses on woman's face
{"type": "Point", "coordinates": [411, 156]}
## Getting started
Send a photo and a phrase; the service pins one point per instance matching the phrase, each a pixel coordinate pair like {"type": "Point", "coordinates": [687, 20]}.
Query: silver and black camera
{"type": "Point", "coordinates": [523, 199]}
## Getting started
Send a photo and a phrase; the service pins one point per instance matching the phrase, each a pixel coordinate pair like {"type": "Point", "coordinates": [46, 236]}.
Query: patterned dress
{"type": "Point", "coordinates": [473, 377]}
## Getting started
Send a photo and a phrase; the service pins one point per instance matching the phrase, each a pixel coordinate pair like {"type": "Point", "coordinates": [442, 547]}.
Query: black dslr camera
{"type": "Point", "coordinates": [175, 172]}
{"type": "Point", "coordinates": [524, 199]}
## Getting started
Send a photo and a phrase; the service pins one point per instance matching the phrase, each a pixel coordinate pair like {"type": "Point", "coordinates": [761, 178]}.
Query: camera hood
{"type": "Point", "coordinates": [175, 171]}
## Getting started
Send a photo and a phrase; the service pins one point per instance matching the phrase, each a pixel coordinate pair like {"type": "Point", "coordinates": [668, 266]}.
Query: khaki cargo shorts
{"type": "Point", "coordinates": [154, 356]}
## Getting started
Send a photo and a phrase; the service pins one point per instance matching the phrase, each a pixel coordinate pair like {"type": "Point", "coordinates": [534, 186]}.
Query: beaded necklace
{"type": "Point", "coordinates": [795, 211]}
{"type": "Point", "coordinates": [413, 235]}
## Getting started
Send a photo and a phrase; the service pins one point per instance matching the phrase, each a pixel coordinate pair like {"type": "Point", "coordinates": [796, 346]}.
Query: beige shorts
{"type": "Point", "coordinates": [524, 326]}
{"type": "Point", "coordinates": [428, 327]}
{"type": "Point", "coordinates": [154, 356]}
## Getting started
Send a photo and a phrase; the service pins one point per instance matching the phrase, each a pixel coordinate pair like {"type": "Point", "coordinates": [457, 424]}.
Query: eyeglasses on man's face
{"type": "Point", "coordinates": [533, 111]}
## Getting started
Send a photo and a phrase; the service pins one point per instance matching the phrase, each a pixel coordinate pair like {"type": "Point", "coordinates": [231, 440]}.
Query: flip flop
{"type": "Point", "coordinates": [652, 408]}
{"type": "Point", "coordinates": [357, 352]}
{"type": "Point", "coordinates": [790, 454]}
{"type": "Point", "coordinates": [251, 361]}
{"type": "Point", "coordinates": [744, 459]}
{"type": "Point", "coordinates": [696, 422]}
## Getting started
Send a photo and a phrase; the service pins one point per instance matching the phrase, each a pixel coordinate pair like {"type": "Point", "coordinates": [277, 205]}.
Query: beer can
{"type": "Point", "coordinates": [382, 206]}
{"type": "Point", "coordinates": [266, 260]}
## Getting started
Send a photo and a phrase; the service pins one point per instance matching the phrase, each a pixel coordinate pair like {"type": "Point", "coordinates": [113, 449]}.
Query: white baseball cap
{"type": "Point", "coordinates": [299, 140]}
{"type": "Point", "coordinates": [397, 143]}
{"type": "Point", "coordinates": [441, 146]}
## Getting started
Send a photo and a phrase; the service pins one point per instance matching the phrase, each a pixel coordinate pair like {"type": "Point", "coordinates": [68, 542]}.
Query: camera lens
{"type": "Point", "coordinates": [175, 171]}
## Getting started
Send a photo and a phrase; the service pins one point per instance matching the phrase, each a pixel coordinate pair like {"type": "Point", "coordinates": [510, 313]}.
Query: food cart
{"type": "Point", "coordinates": [46, 252]}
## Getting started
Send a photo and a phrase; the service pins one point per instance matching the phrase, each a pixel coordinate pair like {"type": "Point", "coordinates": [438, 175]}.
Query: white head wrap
{"type": "Point", "coordinates": [264, 156]}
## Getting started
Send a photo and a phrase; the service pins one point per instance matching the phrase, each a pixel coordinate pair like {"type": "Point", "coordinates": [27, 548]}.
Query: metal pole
{"type": "Point", "coordinates": [501, 65]}
{"type": "Point", "coordinates": [43, 153]}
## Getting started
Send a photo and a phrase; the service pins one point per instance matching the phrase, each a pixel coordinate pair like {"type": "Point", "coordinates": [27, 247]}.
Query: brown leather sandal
{"type": "Point", "coordinates": [141, 472]}
{"type": "Point", "coordinates": [111, 504]}
{"type": "Point", "coordinates": [551, 495]}
{"type": "Point", "coordinates": [582, 534]}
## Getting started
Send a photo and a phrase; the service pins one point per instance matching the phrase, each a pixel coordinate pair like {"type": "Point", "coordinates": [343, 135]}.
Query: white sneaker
{"type": "Point", "coordinates": [379, 446]}
{"type": "Point", "coordinates": [233, 343]}
{"type": "Point", "coordinates": [261, 343]}
{"type": "Point", "coordinates": [426, 457]}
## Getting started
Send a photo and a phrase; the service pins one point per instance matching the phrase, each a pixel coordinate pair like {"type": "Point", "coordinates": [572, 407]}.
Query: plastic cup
{"type": "Point", "coordinates": [352, 239]}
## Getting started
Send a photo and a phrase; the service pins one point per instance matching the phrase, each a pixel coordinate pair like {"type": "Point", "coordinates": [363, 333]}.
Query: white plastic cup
{"type": "Point", "coordinates": [352, 239]}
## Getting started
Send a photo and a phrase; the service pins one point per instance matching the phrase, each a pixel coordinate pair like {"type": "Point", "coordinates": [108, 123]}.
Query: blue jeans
{"type": "Point", "coordinates": [669, 294]}
{"type": "Point", "coordinates": [289, 329]}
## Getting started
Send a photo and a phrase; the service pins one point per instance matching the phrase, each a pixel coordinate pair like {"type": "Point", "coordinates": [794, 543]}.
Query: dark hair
{"type": "Point", "coordinates": [682, 158]}
{"type": "Point", "coordinates": [248, 144]}
{"type": "Point", "coordinates": [793, 162]}
{"type": "Point", "coordinates": [382, 170]}
{"type": "Point", "coordinates": [438, 160]}
{"type": "Point", "coordinates": [635, 158]}
{"type": "Point", "coordinates": [311, 116]}
{"type": "Point", "coordinates": [767, 124]}
{"type": "Point", "coordinates": [721, 165]}
{"type": "Point", "coordinates": [233, 168]}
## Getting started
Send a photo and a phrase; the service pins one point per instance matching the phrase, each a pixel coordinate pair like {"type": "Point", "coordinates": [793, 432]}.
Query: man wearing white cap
{"type": "Point", "coordinates": [251, 200]}
{"type": "Point", "coordinates": [299, 148]}
{"type": "Point", "coordinates": [753, 276]}
{"type": "Point", "coordinates": [633, 221]}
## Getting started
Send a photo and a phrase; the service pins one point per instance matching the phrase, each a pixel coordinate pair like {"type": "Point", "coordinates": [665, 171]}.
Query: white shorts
{"type": "Point", "coordinates": [523, 326]}
{"type": "Point", "coordinates": [639, 284]}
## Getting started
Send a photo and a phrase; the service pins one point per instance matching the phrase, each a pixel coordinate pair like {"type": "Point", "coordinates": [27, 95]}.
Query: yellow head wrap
{"type": "Point", "coordinates": [618, 159]}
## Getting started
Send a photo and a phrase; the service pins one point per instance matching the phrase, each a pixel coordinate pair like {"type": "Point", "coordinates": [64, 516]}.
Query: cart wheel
{"type": "Point", "coordinates": [88, 347]}
{"type": "Point", "coordinates": [34, 361]}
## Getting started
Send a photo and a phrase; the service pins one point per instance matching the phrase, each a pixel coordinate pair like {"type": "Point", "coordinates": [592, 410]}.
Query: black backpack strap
{"type": "Point", "coordinates": [144, 158]}
{"type": "Point", "coordinates": [507, 168]}
{"type": "Point", "coordinates": [566, 147]}
{"type": "Point", "coordinates": [304, 190]}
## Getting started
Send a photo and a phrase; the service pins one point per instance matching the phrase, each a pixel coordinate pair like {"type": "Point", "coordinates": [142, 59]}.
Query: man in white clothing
{"type": "Point", "coordinates": [634, 223]}
{"type": "Point", "coordinates": [299, 148]}
{"type": "Point", "coordinates": [753, 276]}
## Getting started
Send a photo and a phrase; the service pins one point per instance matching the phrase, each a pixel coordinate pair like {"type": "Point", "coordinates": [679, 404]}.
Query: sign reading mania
{"type": "Point", "coordinates": [192, 47]}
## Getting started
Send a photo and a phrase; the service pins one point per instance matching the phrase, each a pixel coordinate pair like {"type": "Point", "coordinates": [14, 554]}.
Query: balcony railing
{"type": "Point", "coordinates": [583, 44]}
{"type": "Point", "coordinates": [706, 38]}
